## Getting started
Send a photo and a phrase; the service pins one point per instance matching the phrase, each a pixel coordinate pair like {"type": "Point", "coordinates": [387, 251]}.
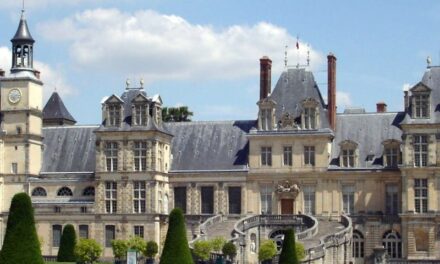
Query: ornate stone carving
{"type": "Point", "coordinates": [287, 122]}
{"type": "Point", "coordinates": [289, 188]}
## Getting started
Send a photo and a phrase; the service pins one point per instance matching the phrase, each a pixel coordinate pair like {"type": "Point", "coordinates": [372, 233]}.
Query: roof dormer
{"type": "Point", "coordinates": [420, 101]}
{"type": "Point", "coordinates": [112, 111]}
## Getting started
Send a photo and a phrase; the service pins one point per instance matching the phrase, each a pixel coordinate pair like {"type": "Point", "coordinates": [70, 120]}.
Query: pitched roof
{"type": "Point", "coordinates": [56, 110]}
{"type": "Point", "coordinates": [218, 145]}
{"type": "Point", "coordinates": [69, 149]}
{"type": "Point", "coordinates": [23, 34]}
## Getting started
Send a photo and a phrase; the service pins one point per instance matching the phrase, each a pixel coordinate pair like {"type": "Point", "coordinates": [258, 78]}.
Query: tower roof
{"type": "Point", "coordinates": [23, 34]}
{"type": "Point", "coordinates": [55, 112]}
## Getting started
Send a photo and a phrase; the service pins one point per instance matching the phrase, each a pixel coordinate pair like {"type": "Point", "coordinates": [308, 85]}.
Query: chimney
{"type": "Point", "coordinates": [37, 74]}
{"type": "Point", "coordinates": [381, 107]}
{"type": "Point", "coordinates": [265, 77]}
{"type": "Point", "coordinates": [406, 100]}
{"type": "Point", "coordinates": [2, 73]}
{"type": "Point", "coordinates": [331, 90]}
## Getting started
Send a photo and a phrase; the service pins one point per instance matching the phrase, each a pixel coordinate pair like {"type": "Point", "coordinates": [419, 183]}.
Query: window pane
{"type": "Point", "coordinates": [56, 235]}
{"type": "Point", "coordinates": [207, 195]}
{"type": "Point", "coordinates": [180, 198]}
{"type": "Point", "coordinates": [234, 200]}
{"type": "Point", "coordinates": [109, 235]}
{"type": "Point", "coordinates": [83, 231]}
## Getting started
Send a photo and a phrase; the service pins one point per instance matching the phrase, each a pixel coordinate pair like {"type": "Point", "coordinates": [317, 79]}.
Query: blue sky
{"type": "Point", "coordinates": [205, 54]}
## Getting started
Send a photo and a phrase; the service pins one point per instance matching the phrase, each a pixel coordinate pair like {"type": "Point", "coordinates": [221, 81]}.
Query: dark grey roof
{"type": "Point", "coordinates": [431, 78]}
{"type": "Point", "coordinates": [369, 131]}
{"type": "Point", "coordinates": [69, 149]}
{"type": "Point", "coordinates": [23, 34]}
{"type": "Point", "coordinates": [221, 145]}
{"type": "Point", "coordinates": [56, 110]}
{"type": "Point", "coordinates": [292, 88]}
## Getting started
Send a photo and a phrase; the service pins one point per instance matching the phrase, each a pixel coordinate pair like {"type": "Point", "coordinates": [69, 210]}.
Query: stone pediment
{"type": "Point", "coordinates": [419, 88]}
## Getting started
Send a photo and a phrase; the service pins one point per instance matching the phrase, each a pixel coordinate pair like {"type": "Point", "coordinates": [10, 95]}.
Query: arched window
{"type": "Point", "coordinates": [39, 191]}
{"type": "Point", "coordinates": [393, 244]}
{"type": "Point", "coordinates": [358, 244]}
{"type": "Point", "coordinates": [65, 191]}
{"type": "Point", "coordinates": [89, 191]}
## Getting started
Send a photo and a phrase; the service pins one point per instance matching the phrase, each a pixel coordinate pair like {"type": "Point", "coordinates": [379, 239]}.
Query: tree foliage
{"type": "Point", "coordinates": [137, 243]}
{"type": "Point", "coordinates": [202, 249]}
{"type": "Point", "coordinates": [229, 250]}
{"type": "Point", "coordinates": [217, 243]}
{"type": "Point", "coordinates": [288, 252]}
{"type": "Point", "coordinates": [176, 114]}
{"type": "Point", "coordinates": [119, 248]}
{"type": "Point", "coordinates": [268, 250]}
{"type": "Point", "coordinates": [66, 252]}
{"type": "Point", "coordinates": [176, 249]}
{"type": "Point", "coordinates": [151, 249]}
{"type": "Point", "coordinates": [21, 244]}
{"type": "Point", "coordinates": [88, 251]}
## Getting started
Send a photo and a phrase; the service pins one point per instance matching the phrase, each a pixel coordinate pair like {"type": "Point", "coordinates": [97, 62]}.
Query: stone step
{"type": "Point", "coordinates": [223, 229]}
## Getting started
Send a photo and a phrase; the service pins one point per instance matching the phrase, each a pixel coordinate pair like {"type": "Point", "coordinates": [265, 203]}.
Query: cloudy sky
{"type": "Point", "coordinates": [205, 54]}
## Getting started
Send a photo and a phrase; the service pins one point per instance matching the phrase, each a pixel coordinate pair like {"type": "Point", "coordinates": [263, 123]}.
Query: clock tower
{"type": "Point", "coordinates": [21, 118]}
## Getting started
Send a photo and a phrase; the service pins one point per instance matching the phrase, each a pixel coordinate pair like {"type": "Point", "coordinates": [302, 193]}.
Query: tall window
{"type": "Point", "coordinates": [140, 114]}
{"type": "Point", "coordinates": [14, 168]}
{"type": "Point", "coordinates": [114, 114]}
{"type": "Point", "coordinates": [266, 199]}
{"type": "Point", "coordinates": [111, 197]}
{"type": "Point", "coordinates": [266, 119]}
{"type": "Point", "coordinates": [287, 156]}
{"type": "Point", "coordinates": [140, 156]}
{"type": "Point", "coordinates": [207, 195]}
{"type": "Point", "coordinates": [309, 155]}
{"type": "Point", "coordinates": [110, 235]}
{"type": "Point", "coordinates": [309, 200]}
{"type": "Point", "coordinates": [358, 244]}
{"type": "Point", "coordinates": [420, 150]}
{"type": "Point", "coordinates": [391, 200]}
{"type": "Point", "coordinates": [421, 195]}
{"type": "Point", "coordinates": [392, 155]}
{"type": "Point", "coordinates": [309, 118]}
{"type": "Point", "coordinates": [83, 231]}
{"type": "Point", "coordinates": [347, 158]}
{"type": "Point", "coordinates": [234, 195]}
{"type": "Point", "coordinates": [266, 156]}
{"type": "Point", "coordinates": [111, 156]}
{"type": "Point", "coordinates": [421, 106]}
{"type": "Point", "coordinates": [393, 244]}
{"type": "Point", "coordinates": [348, 199]}
{"type": "Point", "coordinates": [139, 194]}
{"type": "Point", "coordinates": [56, 235]}
{"type": "Point", "coordinates": [138, 231]}
{"type": "Point", "coordinates": [160, 157]}
{"type": "Point", "coordinates": [180, 198]}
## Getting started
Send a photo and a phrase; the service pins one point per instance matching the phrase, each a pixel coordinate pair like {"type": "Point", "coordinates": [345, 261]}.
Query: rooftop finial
{"type": "Point", "coordinates": [142, 82]}
{"type": "Point", "coordinates": [428, 61]}
{"type": "Point", "coordinates": [285, 56]}
{"type": "Point", "coordinates": [127, 83]}
{"type": "Point", "coordinates": [297, 51]}
{"type": "Point", "coordinates": [22, 9]}
{"type": "Point", "coordinates": [308, 55]}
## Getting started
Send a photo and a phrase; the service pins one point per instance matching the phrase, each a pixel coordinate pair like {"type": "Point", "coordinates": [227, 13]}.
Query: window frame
{"type": "Point", "coordinates": [358, 250]}
{"type": "Point", "coordinates": [348, 197]}
{"type": "Point", "coordinates": [107, 239]}
{"type": "Point", "coordinates": [266, 193]}
{"type": "Point", "coordinates": [64, 191]}
{"type": "Point", "coordinates": [111, 197]}
{"type": "Point", "coordinates": [421, 195]}
{"type": "Point", "coordinates": [140, 155]}
{"type": "Point", "coordinates": [421, 105]}
{"type": "Point", "coordinates": [392, 242]}
{"type": "Point", "coordinates": [421, 150]}
{"type": "Point", "coordinates": [39, 192]}
{"type": "Point", "coordinates": [287, 156]}
{"type": "Point", "coordinates": [266, 156]}
{"type": "Point", "coordinates": [139, 197]}
{"type": "Point", "coordinates": [114, 114]}
{"type": "Point", "coordinates": [111, 151]}
{"type": "Point", "coordinates": [56, 240]}
{"type": "Point", "coordinates": [309, 155]}
{"type": "Point", "coordinates": [309, 195]}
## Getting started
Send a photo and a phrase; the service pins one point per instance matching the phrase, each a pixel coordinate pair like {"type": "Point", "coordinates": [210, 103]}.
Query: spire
{"type": "Point", "coordinates": [23, 34]}
{"type": "Point", "coordinates": [55, 112]}
{"type": "Point", "coordinates": [22, 48]}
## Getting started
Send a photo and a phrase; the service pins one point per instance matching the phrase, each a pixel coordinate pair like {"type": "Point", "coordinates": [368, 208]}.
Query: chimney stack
{"type": "Point", "coordinates": [381, 107]}
{"type": "Point", "coordinates": [406, 100]}
{"type": "Point", "coordinates": [331, 90]}
{"type": "Point", "coordinates": [2, 73]}
{"type": "Point", "coordinates": [265, 77]}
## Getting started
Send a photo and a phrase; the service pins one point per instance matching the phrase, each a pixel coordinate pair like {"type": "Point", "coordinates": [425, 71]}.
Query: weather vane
{"type": "Point", "coordinates": [285, 56]}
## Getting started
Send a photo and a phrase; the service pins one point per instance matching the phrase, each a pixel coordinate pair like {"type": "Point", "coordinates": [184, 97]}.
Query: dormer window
{"type": "Point", "coordinates": [266, 114]}
{"type": "Point", "coordinates": [348, 155]}
{"type": "Point", "coordinates": [140, 114]}
{"type": "Point", "coordinates": [114, 115]}
{"type": "Point", "coordinates": [421, 105]}
{"type": "Point", "coordinates": [391, 153]}
{"type": "Point", "coordinates": [309, 116]}
{"type": "Point", "coordinates": [266, 119]}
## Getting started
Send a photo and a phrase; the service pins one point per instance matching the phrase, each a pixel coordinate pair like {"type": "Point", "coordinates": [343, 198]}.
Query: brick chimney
{"type": "Point", "coordinates": [265, 77]}
{"type": "Point", "coordinates": [2, 73]}
{"type": "Point", "coordinates": [331, 90]}
{"type": "Point", "coordinates": [381, 107]}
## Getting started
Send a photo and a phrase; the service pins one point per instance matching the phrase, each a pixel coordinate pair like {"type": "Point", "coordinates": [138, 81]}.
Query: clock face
{"type": "Point", "coordinates": [14, 96]}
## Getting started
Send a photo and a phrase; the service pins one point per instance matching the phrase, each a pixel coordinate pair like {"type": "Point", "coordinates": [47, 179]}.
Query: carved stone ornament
{"type": "Point", "coordinates": [288, 122]}
{"type": "Point", "coordinates": [287, 187]}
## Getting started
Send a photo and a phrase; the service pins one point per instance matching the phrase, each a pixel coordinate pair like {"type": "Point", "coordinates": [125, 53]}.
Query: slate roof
{"type": "Point", "coordinates": [23, 34]}
{"type": "Point", "coordinates": [69, 149]}
{"type": "Point", "coordinates": [56, 110]}
{"type": "Point", "coordinates": [431, 78]}
{"type": "Point", "coordinates": [217, 145]}
{"type": "Point", "coordinates": [292, 88]}
{"type": "Point", "coordinates": [369, 131]}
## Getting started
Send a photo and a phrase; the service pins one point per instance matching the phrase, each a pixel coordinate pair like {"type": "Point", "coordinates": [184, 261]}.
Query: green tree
{"type": "Point", "coordinates": [119, 248]}
{"type": "Point", "coordinates": [138, 244]}
{"type": "Point", "coordinates": [217, 243]}
{"type": "Point", "coordinates": [176, 114]}
{"type": "Point", "coordinates": [66, 252]}
{"type": "Point", "coordinates": [88, 251]}
{"type": "Point", "coordinates": [300, 251]}
{"type": "Point", "coordinates": [229, 250]}
{"type": "Point", "coordinates": [202, 249]}
{"type": "Point", "coordinates": [151, 249]}
{"type": "Point", "coordinates": [268, 250]}
{"type": "Point", "coordinates": [176, 249]}
{"type": "Point", "coordinates": [288, 252]}
{"type": "Point", "coordinates": [21, 244]}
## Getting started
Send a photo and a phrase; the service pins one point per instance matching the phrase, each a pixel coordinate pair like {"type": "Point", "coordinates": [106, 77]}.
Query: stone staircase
{"type": "Point", "coordinates": [221, 229]}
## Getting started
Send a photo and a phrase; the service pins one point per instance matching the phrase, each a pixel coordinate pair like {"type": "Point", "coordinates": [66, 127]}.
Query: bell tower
{"type": "Point", "coordinates": [21, 117]}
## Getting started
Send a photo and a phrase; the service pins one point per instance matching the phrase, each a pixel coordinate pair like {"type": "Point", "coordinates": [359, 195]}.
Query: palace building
{"type": "Point", "coordinates": [358, 187]}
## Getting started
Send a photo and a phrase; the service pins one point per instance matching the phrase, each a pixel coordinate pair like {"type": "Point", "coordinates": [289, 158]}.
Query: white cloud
{"type": "Point", "coordinates": [40, 4]}
{"type": "Point", "coordinates": [343, 99]}
{"type": "Point", "coordinates": [52, 79]}
{"type": "Point", "coordinates": [158, 46]}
